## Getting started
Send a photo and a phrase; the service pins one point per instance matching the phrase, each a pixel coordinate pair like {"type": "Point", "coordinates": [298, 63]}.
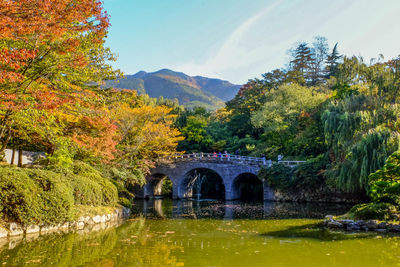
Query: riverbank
{"type": "Point", "coordinates": [86, 222]}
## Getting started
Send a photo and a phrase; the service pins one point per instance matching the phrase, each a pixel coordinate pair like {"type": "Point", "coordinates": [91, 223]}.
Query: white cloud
{"type": "Point", "coordinates": [234, 53]}
{"type": "Point", "coordinates": [259, 44]}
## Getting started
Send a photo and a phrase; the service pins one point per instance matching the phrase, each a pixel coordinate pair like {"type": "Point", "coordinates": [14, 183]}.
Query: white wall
{"type": "Point", "coordinates": [27, 156]}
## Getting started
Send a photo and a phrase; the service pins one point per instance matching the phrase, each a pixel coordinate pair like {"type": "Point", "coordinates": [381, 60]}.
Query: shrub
{"type": "Point", "coordinates": [35, 196]}
{"type": "Point", "coordinates": [309, 174]}
{"type": "Point", "coordinates": [379, 211]}
{"type": "Point", "coordinates": [125, 202]}
{"type": "Point", "coordinates": [89, 187]}
{"type": "Point", "coordinates": [384, 190]}
{"type": "Point", "coordinates": [278, 176]}
{"type": "Point", "coordinates": [124, 179]}
{"type": "Point", "coordinates": [31, 196]}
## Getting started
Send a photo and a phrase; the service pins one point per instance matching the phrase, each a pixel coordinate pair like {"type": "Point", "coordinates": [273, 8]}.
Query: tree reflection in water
{"type": "Point", "coordinates": [166, 235]}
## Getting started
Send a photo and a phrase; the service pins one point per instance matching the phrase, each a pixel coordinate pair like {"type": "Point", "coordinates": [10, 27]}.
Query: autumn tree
{"type": "Point", "coordinates": [146, 132]}
{"type": "Point", "coordinates": [49, 50]}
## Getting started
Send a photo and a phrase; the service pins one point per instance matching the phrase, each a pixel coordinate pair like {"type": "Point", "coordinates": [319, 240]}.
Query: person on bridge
{"type": "Point", "coordinates": [220, 154]}
{"type": "Point", "coordinates": [215, 154]}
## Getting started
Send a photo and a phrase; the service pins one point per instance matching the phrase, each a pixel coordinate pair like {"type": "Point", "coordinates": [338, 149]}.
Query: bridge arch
{"type": "Point", "coordinates": [162, 185]}
{"type": "Point", "coordinates": [230, 168]}
{"type": "Point", "coordinates": [247, 186]}
{"type": "Point", "coordinates": [157, 184]}
{"type": "Point", "coordinates": [202, 182]}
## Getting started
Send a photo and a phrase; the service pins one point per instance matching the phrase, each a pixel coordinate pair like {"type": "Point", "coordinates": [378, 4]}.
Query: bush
{"type": "Point", "coordinates": [125, 202]}
{"type": "Point", "coordinates": [309, 174]}
{"type": "Point", "coordinates": [89, 187]}
{"type": "Point", "coordinates": [384, 190]}
{"type": "Point", "coordinates": [124, 179]}
{"type": "Point", "coordinates": [278, 176]}
{"type": "Point", "coordinates": [31, 196]}
{"type": "Point", "coordinates": [379, 211]}
{"type": "Point", "coordinates": [34, 196]}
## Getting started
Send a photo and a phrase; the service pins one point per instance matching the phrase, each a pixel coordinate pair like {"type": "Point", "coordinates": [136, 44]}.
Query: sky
{"type": "Point", "coordinates": [237, 40]}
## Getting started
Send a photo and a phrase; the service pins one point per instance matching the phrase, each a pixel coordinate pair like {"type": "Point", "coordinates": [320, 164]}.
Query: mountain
{"type": "Point", "coordinates": [190, 91]}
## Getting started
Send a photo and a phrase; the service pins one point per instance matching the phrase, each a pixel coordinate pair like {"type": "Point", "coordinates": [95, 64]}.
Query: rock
{"type": "Point", "coordinates": [96, 228]}
{"type": "Point", "coordinates": [15, 229]}
{"type": "Point", "coordinates": [346, 222]}
{"type": "Point", "coordinates": [382, 225]}
{"type": "Point", "coordinates": [353, 227]}
{"type": "Point", "coordinates": [334, 224]}
{"type": "Point", "coordinates": [32, 237]}
{"type": "Point", "coordinates": [103, 219]}
{"type": "Point", "coordinates": [125, 211]}
{"type": "Point", "coordinates": [361, 223]}
{"type": "Point", "coordinates": [372, 224]}
{"type": "Point", "coordinates": [64, 226]}
{"type": "Point", "coordinates": [381, 230]}
{"type": "Point", "coordinates": [80, 225]}
{"type": "Point", "coordinates": [48, 229]}
{"type": "Point", "coordinates": [88, 220]}
{"type": "Point", "coordinates": [329, 217]}
{"type": "Point", "coordinates": [393, 227]}
{"type": "Point", "coordinates": [3, 232]}
{"type": "Point", "coordinates": [108, 217]}
{"type": "Point", "coordinates": [96, 219]}
{"type": "Point", "coordinates": [14, 241]}
{"type": "Point", "coordinates": [32, 229]}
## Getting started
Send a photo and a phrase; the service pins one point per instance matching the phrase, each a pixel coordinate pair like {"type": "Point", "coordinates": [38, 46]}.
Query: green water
{"type": "Point", "coordinates": [184, 233]}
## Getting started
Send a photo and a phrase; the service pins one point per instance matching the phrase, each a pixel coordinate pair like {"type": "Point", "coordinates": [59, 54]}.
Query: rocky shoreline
{"type": "Point", "coordinates": [360, 225]}
{"type": "Point", "coordinates": [84, 223]}
{"type": "Point", "coordinates": [321, 195]}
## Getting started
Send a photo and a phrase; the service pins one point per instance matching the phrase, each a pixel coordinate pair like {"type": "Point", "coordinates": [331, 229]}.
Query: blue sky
{"type": "Point", "coordinates": [237, 40]}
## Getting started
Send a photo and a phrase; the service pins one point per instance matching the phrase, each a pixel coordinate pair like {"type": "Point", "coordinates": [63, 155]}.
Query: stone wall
{"type": "Point", "coordinates": [83, 223]}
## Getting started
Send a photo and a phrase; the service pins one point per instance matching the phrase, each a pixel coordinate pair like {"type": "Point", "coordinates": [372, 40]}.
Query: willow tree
{"type": "Point", "coordinates": [360, 133]}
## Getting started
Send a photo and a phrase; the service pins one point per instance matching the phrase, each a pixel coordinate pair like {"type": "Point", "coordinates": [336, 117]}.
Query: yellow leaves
{"type": "Point", "coordinates": [146, 131]}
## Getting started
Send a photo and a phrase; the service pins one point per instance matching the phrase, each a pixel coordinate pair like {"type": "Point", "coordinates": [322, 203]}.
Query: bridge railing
{"type": "Point", "coordinates": [234, 158]}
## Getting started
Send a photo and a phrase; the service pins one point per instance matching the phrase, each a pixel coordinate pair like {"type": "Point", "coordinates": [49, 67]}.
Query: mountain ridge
{"type": "Point", "coordinates": [190, 91]}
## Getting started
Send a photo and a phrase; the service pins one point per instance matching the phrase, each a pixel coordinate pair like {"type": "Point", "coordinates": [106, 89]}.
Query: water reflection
{"type": "Point", "coordinates": [168, 208]}
{"type": "Point", "coordinates": [223, 241]}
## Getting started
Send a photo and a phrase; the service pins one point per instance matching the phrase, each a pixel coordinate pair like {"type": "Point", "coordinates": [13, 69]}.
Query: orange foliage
{"type": "Point", "coordinates": [28, 25]}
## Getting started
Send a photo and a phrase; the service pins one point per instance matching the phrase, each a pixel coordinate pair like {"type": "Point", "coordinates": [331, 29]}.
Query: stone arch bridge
{"type": "Point", "coordinates": [233, 170]}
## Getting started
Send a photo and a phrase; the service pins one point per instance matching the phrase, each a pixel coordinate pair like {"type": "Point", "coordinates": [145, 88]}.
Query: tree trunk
{"type": "Point", "coordinates": [12, 156]}
{"type": "Point", "coordinates": [20, 158]}
{"type": "Point", "coordinates": [4, 144]}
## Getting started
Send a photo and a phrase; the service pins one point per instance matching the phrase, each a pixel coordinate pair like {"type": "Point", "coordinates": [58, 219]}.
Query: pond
{"type": "Point", "coordinates": [211, 233]}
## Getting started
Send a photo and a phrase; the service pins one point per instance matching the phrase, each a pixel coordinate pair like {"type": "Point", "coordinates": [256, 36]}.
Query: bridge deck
{"type": "Point", "coordinates": [233, 159]}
